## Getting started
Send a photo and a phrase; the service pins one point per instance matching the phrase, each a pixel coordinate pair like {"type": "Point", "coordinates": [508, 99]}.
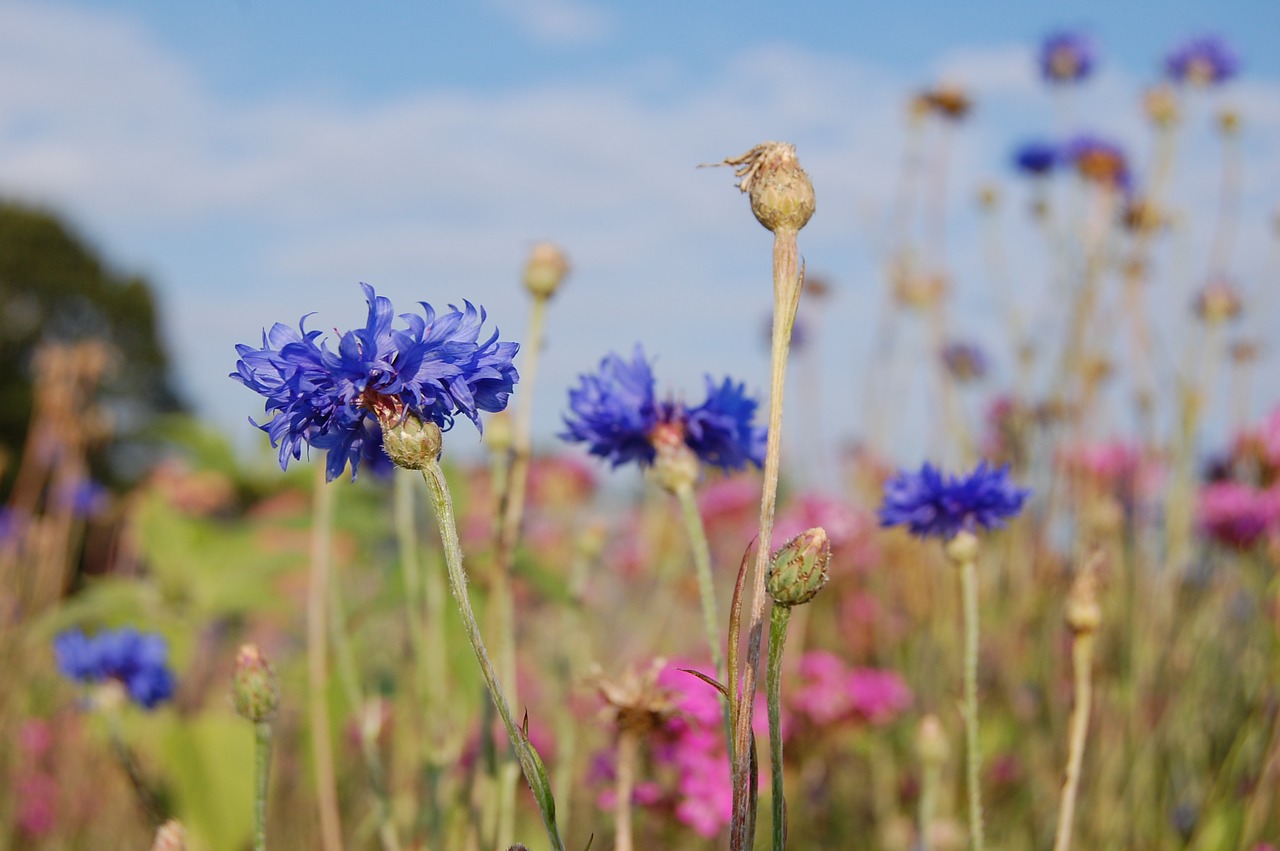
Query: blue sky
{"type": "Point", "coordinates": [257, 159]}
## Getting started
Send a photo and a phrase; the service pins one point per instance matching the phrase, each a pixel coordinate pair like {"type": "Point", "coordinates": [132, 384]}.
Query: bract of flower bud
{"type": "Point", "coordinates": [675, 465]}
{"type": "Point", "coordinates": [546, 270]}
{"type": "Point", "coordinates": [799, 569]}
{"type": "Point", "coordinates": [931, 742]}
{"type": "Point", "coordinates": [411, 443]}
{"type": "Point", "coordinates": [963, 547]}
{"type": "Point", "coordinates": [254, 689]}
{"type": "Point", "coordinates": [780, 191]}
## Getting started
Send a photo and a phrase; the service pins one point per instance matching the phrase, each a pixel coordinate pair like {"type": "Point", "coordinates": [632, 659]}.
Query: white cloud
{"type": "Point", "coordinates": [558, 22]}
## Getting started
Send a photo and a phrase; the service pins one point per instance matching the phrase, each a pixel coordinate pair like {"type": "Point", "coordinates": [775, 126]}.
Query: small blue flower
{"type": "Point", "coordinates": [1206, 61]}
{"type": "Point", "coordinates": [1066, 57]}
{"type": "Point", "coordinates": [433, 368]}
{"type": "Point", "coordinates": [139, 661]}
{"type": "Point", "coordinates": [932, 504]}
{"type": "Point", "coordinates": [614, 412]}
{"type": "Point", "coordinates": [1037, 158]}
{"type": "Point", "coordinates": [965, 361]}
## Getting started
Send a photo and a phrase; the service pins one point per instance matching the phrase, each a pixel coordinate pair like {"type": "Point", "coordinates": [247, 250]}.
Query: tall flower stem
{"type": "Point", "coordinates": [628, 750]}
{"type": "Point", "coordinates": [262, 782]}
{"type": "Point", "coordinates": [973, 755]}
{"type": "Point", "coordinates": [787, 284]}
{"type": "Point", "coordinates": [1081, 664]}
{"type": "Point", "coordinates": [511, 516]}
{"type": "Point", "coordinates": [779, 617]}
{"type": "Point", "coordinates": [317, 662]}
{"type": "Point", "coordinates": [534, 771]}
{"type": "Point", "coordinates": [702, 564]}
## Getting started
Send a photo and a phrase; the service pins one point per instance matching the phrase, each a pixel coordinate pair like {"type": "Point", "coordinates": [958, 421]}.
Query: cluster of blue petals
{"type": "Point", "coordinates": [1036, 158]}
{"type": "Point", "coordinates": [614, 411]}
{"type": "Point", "coordinates": [434, 367]}
{"type": "Point", "coordinates": [932, 504]}
{"type": "Point", "coordinates": [1207, 55]}
{"type": "Point", "coordinates": [139, 661]}
{"type": "Point", "coordinates": [1066, 57]}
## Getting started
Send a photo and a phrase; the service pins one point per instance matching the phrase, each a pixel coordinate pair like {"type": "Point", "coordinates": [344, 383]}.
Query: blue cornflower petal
{"type": "Point", "coordinates": [139, 661]}
{"type": "Point", "coordinates": [1066, 57]}
{"type": "Point", "coordinates": [1037, 158]}
{"type": "Point", "coordinates": [1207, 60]}
{"type": "Point", "coordinates": [434, 367]}
{"type": "Point", "coordinates": [931, 504]}
{"type": "Point", "coordinates": [615, 413]}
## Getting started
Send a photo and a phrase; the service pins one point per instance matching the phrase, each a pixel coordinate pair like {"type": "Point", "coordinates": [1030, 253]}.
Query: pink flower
{"type": "Point", "coordinates": [878, 695]}
{"type": "Point", "coordinates": [1238, 515]}
{"type": "Point", "coordinates": [850, 529]}
{"type": "Point", "coordinates": [830, 692]}
{"type": "Point", "coordinates": [37, 797]}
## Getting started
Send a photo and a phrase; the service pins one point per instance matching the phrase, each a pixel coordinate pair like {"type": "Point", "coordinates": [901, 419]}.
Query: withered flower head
{"type": "Point", "coordinates": [636, 702]}
{"type": "Point", "coordinates": [947, 100]}
{"type": "Point", "coordinates": [780, 190]}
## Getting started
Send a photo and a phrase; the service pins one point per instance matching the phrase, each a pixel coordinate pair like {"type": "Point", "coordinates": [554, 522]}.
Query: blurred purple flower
{"type": "Point", "coordinates": [1205, 61]}
{"type": "Point", "coordinates": [965, 361]}
{"type": "Point", "coordinates": [1066, 56]}
{"type": "Point", "coordinates": [932, 504]}
{"type": "Point", "coordinates": [1036, 158]}
{"type": "Point", "coordinates": [1100, 161]}
{"type": "Point", "coordinates": [1238, 515]}
{"type": "Point", "coordinates": [434, 368]}
{"type": "Point", "coordinates": [139, 661]}
{"type": "Point", "coordinates": [614, 412]}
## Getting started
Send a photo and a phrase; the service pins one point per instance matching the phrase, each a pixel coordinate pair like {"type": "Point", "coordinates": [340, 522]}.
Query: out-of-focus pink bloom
{"type": "Point", "coordinates": [729, 503]}
{"type": "Point", "coordinates": [1238, 515]}
{"type": "Point", "coordinates": [1114, 466]}
{"type": "Point", "coordinates": [830, 692]}
{"type": "Point", "coordinates": [850, 529]}
{"type": "Point", "coordinates": [35, 736]}
{"type": "Point", "coordinates": [1265, 846]}
{"type": "Point", "coordinates": [37, 797]}
{"type": "Point", "coordinates": [877, 695]}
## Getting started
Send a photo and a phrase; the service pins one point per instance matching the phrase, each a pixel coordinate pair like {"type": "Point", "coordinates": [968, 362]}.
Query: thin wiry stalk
{"type": "Point", "coordinates": [534, 771]}
{"type": "Point", "coordinates": [973, 756]}
{"type": "Point", "coordinates": [778, 619]}
{"type": "Point", "coordinates": [262, 782]}
{"type": "Point", "coordinates": [1082, 667]}
{"type": "Point", "coordinates": [702, 566]}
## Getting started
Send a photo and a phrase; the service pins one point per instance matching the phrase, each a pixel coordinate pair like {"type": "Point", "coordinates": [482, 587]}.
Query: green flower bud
{"type": "Point", "coordinates": [254, 689]}
{"type": "Point", "coordinates": [411, 443]}
{"type": "Point", "coordinates": [799, 569]}
{"type": "Point", "coordinates": [675, 465]}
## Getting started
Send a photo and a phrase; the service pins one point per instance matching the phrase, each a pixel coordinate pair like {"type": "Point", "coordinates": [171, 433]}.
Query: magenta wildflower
{"type": "Point", "coordinates": [1238, 515]}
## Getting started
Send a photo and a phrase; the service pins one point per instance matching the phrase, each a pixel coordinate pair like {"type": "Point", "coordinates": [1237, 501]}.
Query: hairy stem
{"type": "Point", "coordinates": [317, 663]}
{"type": "Point", "coordinates": [702, 564]}
{"type": "Point", "coordinates": [778, 619]}
{"type": "Point", "coordinates": [973, 756]}
{"type": "Point", "coordinates": [262, 782]}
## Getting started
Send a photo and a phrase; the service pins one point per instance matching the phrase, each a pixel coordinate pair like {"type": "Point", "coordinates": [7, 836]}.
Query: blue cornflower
{"type": "Point", "coordinates": [138, 661]}
{"type": "Point", "coordinates": [1206, 61]}
{"type": "Point", "coordinates": [433, 368]}
{"type": "Point", "coordinates": [614, 412]}
{"type": "Point", "coordinates": [1037, 158]}
{"type": "Point", "coordinates": [1066, 57]}
{"type": "Point", "coordinates": [932, 504]}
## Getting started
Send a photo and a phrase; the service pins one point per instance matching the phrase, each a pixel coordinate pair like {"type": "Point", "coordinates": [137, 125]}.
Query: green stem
{"type": "Point", "coordinates": [778, 619]}
{"type": "Point", "coordinates": [702, 564]}
{"type": "Point", "coordinates": [262, 777]}
{"type": "Point", "coordinates": [973, 757]}
{"type": "Point", "coordinates": [534, 772]}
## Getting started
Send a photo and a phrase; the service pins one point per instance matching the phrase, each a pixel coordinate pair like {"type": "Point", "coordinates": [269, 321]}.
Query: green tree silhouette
{"type": "Point", "coordinates": [53, 287]}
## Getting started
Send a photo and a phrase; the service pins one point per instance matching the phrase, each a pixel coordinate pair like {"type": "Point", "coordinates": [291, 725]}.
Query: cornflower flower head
{"type": "Point", "coordinates": [615, 412]}
{"type": "Point", "coordinates": [965, 362]}
{"type": "Point", "coordinates": [1066, 57]}
{"type": "Point", "coordinates": [138, 661]}
{"type": "Point", "coordinates": [1237, 515]}
{"type": "Point", "coordinates": [932, 504]}
{"type": "Point", "coordinates": [1203, 61]}
{"type": "Point", "coordinates": [1036, 158]}
{"type": "Point", "coordinates": [433, 368]}
{"type": "Point", "coordinates": [1099, 161]}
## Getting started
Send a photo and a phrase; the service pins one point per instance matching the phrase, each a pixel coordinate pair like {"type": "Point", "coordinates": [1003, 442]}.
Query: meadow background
{"type": "Point", "coordinates": [228, 166]}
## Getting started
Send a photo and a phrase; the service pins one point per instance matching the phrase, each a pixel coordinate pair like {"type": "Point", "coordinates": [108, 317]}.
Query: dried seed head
{"type": "Point", "coordinates": [1084, 614]}
{"type": "Point", "coordinates": [636, 701]}
{"type": "Point", "coordinates": [254, 688]}
{"type": "Point", "coordinates": [546, 270]}
{"type": "Point", "coordinates": [799, 570]}
{"type": "Point", "coordinates": [780, 191]}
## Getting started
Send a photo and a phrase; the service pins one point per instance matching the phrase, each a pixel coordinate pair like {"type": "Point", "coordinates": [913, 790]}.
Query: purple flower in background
{"type": "Point", "coordinates": [1036, 158]}
{"type": "Point", "coordinates": [1204, 61]}
{"type": "Point", "coordinates": [965, 361]}
{"type": "Point", "coordinates": [434, 368]}
{"type": "Point", "coordinates": [1100, 161]}
{"type": "Point", "coordinates": [138, 661]}
{"type": "Point", "coordinates": [932, 504]}
{"type": "Point", "coordinates": [1066, 57]}
{"type": "Point", "coordinates": [614, 411]}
